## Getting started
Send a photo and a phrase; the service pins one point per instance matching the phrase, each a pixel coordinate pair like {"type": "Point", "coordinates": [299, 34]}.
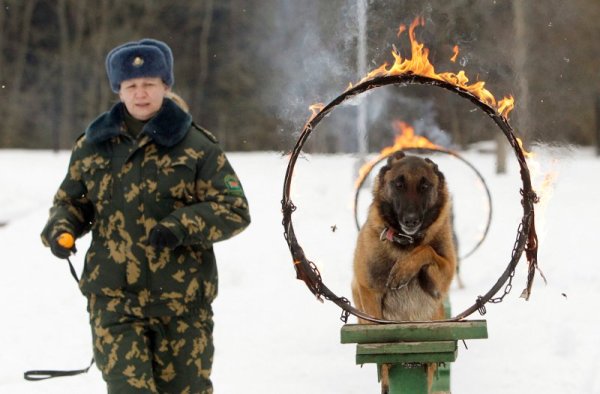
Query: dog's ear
{"type": "Point", "coordinates": [381, 175]}
{"type": "Point", "coordinates": [394, 157]}
{"type": "Point", "coordinates": [436, 170]}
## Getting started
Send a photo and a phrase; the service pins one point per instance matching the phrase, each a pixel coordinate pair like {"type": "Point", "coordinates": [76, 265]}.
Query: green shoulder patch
{"type": "Point", "coordinates": [207, 133]}
{"type": "Point", "coordinates": [233, 184]}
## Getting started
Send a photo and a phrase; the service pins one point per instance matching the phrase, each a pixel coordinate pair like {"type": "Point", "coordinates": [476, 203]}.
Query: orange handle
{"type": "Point", "coordinates": [66, 240]}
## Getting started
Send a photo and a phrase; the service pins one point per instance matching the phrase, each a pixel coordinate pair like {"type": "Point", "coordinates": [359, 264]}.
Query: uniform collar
{"type": "Point", "coordinates": [167, 128]}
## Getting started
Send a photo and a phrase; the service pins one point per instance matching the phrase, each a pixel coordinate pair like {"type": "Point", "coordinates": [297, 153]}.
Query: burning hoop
{"type": "Point", "coordinates": [364, 175]}
{"type": "Point", "coordinates": [419, 71]}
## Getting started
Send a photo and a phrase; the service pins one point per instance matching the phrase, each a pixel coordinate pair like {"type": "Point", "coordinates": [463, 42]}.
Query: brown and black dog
{"type": "Point", "coordinates": [405, 256]}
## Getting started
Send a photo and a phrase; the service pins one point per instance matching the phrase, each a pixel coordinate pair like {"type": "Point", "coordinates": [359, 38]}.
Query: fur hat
{"type": "Point", "coordinates": [137, 59]}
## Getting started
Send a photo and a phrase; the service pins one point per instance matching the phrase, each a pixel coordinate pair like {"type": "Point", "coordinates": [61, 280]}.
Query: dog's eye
{"type": "Point", "coordinates": [424, 186]}
{"type": "Point", "coordinates": [400, 184]}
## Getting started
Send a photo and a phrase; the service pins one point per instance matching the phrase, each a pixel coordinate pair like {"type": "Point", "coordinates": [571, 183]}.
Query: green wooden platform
{"type": "Point", "coordinates": [407, 347]}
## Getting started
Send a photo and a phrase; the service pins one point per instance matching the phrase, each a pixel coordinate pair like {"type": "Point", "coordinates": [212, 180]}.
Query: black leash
{"type": "Point", "coordinates": [43, 374]}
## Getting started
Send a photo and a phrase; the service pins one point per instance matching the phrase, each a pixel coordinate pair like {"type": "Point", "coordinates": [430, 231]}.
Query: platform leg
{"type": "Point", "coordinates": [408, 379]}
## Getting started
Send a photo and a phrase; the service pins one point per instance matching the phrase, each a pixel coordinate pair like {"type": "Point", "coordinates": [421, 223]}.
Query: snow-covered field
{"type": "Point", "coordinates": [271, 335]}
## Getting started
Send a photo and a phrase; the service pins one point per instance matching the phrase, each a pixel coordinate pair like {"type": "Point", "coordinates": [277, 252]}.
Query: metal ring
{"type": "Point", "coordinates": [526, 237]}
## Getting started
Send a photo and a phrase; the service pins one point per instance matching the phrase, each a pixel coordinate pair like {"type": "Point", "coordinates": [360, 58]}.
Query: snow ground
{"type": "Point", "coordinates": [271, 335]}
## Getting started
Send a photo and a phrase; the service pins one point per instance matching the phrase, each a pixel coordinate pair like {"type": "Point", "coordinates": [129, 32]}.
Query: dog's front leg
{"type": "Point", "coordinates": [439, 274]}
{"type": "Point", "coordinates": [368, 300]}
{"type": "Point", "coordinates": [408, 267]}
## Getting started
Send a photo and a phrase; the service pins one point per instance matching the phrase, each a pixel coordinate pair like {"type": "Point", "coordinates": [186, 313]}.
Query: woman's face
{"type": "Point", "coordinates": [143, 97]}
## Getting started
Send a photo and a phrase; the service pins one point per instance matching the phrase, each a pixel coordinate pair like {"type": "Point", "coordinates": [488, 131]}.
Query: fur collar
{"type": "Point", "coordinates": [167, 128]}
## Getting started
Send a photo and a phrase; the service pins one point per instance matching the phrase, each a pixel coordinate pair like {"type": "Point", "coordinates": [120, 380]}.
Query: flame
{"type": "Point", "coordinates": [543, 182]}
{"type": "Point", "coordinates": [506, 105]}
{"type": "Point", "coordinates": [419, 64]}
{"type": "Point", "coordinates": [315, 109]}
{"type": "Point", "coordinates": [401, 29]}
{"type": "Point", "coordinates": [455, 55]}
{"type": "Point", "coordinates": [526, 154]}
{"type": "Point", "coordinates": [405, 138]}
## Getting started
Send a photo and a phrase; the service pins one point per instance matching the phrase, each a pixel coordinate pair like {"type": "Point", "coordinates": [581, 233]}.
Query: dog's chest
{"type": "Point", "coordinates": [409, 303]}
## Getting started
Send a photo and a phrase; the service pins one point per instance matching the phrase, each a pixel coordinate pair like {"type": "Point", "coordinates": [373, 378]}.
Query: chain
{"type": "Point", "coordinates": [509, 286]}
{"type": "Point", "coordinates": [507, 290]}
{"type": "Point", "coordinates": [345, 312]}
{"type": "Point", "coordinates": [287, 209]}
{"type": "Point", "coordinates": [532, 196]}
{"type": "Point", "coordinates": [319, 283]}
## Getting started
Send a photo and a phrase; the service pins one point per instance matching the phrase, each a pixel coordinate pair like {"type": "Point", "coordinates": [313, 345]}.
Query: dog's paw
{"type": "Point", "coordinates": [392, 285]}
{"type": "Point", "coordinates": [396, 280]}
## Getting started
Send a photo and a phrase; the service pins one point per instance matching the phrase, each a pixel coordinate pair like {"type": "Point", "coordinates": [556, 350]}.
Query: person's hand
{"type": "Point", "coordinates": [161, 237]}
{"type": "Point", "coordinates": [63, 245]}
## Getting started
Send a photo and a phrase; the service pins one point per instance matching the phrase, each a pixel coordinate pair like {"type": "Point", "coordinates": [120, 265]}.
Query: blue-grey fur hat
{"type": "Point", "coordinates": [137, 59]}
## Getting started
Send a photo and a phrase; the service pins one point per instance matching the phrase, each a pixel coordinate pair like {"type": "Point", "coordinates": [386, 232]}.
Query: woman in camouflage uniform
{"type": "Point", "coordinates": [156, 191]}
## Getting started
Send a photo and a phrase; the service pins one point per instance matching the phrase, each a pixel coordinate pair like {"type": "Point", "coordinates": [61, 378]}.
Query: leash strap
{"type": "Point", "coordinates": [72, 269]}
{"type": "Point", "coordinates": [43, 374]}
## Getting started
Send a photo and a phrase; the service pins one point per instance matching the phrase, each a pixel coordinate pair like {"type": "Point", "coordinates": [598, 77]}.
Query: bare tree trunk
{"type": "Point", "coordinates": [103, 34]}
{"type": "Point", "coordinates": [597, 124]}
{"type": "Point", "coordinates": [98, 91]}
{"type": "Point", "coordinates": [71, 24]}
{"type": "Point", "coordinates": [79, 46]}
{"type": "Point", "coordinates": [15, 104]}
{"type": "Point", "coordinates": [501, 153]}
{"type": "Point", "coordinates": [455, 131]}
{"type": "Point", "coordinates": [3, 33]}
{"type": "Point", "coordinates": [521, 54]}
{"type": "Point", "coordinates": [361, 66]}
{"type": "Point", "coordinates": [204, 37]}
{"type": "Point", "coordinates": [66, 90]}
{"type": "Point", "coordinates": [3, 68]}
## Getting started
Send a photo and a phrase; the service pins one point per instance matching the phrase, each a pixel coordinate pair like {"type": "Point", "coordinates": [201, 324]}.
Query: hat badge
{"type": "Point", "coordinates": [138, 61]}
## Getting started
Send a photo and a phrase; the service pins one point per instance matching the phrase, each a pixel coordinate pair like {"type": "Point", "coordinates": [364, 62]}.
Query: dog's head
{"type": "Point", "coordinates": [410, 192]}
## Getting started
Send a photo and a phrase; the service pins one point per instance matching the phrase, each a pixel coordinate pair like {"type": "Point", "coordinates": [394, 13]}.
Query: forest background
{"type": "Point", "coordinates": [250, 68]}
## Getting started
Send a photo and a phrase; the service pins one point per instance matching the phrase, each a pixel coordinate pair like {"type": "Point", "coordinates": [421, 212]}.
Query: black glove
{"type": "Point", "coordinates": [58, 250]}
{"type": "Point", "coordinates": [161, 237]}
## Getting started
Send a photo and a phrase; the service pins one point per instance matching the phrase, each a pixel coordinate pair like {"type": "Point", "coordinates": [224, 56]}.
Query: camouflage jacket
{"type": "Point", "coordinates": [119, 187]}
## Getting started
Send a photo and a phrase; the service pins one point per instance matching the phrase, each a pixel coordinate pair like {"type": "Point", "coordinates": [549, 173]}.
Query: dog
{"type": "Point", "coordinates": [405, 256]}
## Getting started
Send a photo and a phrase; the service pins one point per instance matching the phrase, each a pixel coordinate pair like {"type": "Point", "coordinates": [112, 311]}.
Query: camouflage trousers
{"type": "Point", "coordinates": [166, 355]}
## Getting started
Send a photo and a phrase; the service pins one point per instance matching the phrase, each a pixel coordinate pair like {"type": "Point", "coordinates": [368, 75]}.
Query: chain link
{"type": "Point", "coordinates": [345, 312]}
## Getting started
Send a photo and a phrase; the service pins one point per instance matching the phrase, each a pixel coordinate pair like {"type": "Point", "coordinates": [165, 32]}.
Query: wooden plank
{"type": "Point", "coordinates": [406, 347]}
{"type": "Point", "coordinates": [414, 332]}
{"type": "Point", "coordinates": [399, 358]}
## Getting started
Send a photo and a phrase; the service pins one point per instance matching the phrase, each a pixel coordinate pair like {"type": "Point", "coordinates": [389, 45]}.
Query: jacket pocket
{"type": "Point", "coordinates": [176, 182]}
